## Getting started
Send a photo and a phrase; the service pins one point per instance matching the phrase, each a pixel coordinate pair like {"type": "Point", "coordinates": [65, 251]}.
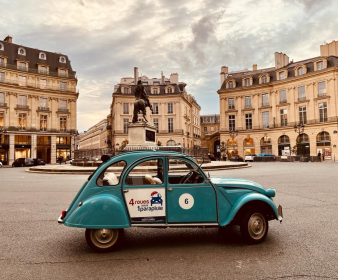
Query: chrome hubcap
{"type": "Point", "coordinates": [257, 226]}
{"type": "Point", "coordinates": [104, 238]}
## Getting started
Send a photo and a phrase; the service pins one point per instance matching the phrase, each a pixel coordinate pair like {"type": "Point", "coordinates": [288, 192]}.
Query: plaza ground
{"type": "Point", "coordinates": [304, 246]}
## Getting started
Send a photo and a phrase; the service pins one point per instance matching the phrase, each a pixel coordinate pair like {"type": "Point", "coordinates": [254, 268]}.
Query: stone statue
{"type": "Point", "coordinates": [141, 102]}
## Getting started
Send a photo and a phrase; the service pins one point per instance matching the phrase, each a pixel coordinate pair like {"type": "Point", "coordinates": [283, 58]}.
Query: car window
{"type": "Point", "coordinates": [111, 175]}
{"type": "Point", "coordinates": [148, 172]}
{"type": "Point", "coordinates": [183, 172]}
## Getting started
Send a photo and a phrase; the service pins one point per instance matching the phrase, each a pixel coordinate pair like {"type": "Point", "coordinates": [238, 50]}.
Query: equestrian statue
{"type": "Point", "coordinates": [141, 102]}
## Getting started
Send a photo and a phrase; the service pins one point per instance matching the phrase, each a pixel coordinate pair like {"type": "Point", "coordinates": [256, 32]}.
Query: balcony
{"type": "Point", "coordinates": [322, 94]}
{"type": "Point", "coordinates": [3, 105]}
{"type": "Point", "coordinates": [284, 123]}
{"type": "Point", "coordinates": [301, 98]}
{"type": "Point", "coordinates": [46, 109]}
{"type": "Point", "coordinates": [248, 106]}
{"type": "Point", "coordinates": [231, 107]}
{"type": "Point", "coordinates": [63, 75]}
{"type": "Point", "coordinates": [22, 107]}
{"type": "Point", "coordinates": [43, 71]}
{"type": "Point", "coordinates": [265, 103]}
{"type": "Point", "coordinates": [22, 68]}
{"type": "Point", "coordinates": [283, 101]}
{"type": "Point", "coordinates": [63, 110]}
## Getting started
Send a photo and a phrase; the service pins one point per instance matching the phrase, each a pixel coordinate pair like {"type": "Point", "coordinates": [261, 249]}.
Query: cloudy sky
{"type": "Point", "coordinates": [105, 39]}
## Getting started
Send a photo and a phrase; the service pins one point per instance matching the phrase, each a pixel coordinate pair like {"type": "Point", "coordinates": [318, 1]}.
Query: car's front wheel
{"type": "Point", "coordinates": [254, 227]}
{"type": "Point", "coordinates": [104, 240]}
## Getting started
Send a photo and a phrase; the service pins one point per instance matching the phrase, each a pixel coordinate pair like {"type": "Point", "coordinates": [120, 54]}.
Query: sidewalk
{"type": "Point", "coordinates": [70, 169]}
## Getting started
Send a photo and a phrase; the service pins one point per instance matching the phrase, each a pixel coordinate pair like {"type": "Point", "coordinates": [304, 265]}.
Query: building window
{"type": "Point", "coordinates": [63, 104]}
{"type": "Point", "coordinates": [22, 101]}
{"type": "Point", "coordinates": [62, 72]}
{"type": "Point", "coordinates": [264, 79]}
{"type": "Point", "coordinates": [2, 61]}
{"type": "Point", "coordinates": [232, 124]}
{"type": "Point", "coordinates": [22, 121]}
{"type": "Point", "coordinates": [1, 47]}
{"type": "Point", "coordinates": [169, 90]}
{"type": "Point", "coordinates": [125, 90]}
{"type": "Point", "coordinates": [282, 96]}
{"type": "Point", "coordinates": [2, 77]}
{"type": "Point", "coordinates": [62, 59]}
{"type": "Point", "coordinates": [231, 103]}
{"type": "Point", "coordinates": [43, 70]}
{"type": "Point", "coordinates": [284, 117]}
{"type": "Point", "coordinates": [63, 123]}
{"type": "Point", "coordinates": [21, 51]}
{"type": "Point", "coordinates": [2, 98]}
{"type": "Point", "coordinates": [212, 128]}
{"type": "Point", "coordinates": [323, 112]}
{"type": "Point", "coordinates": [1, 119]}
{"type": "Point", "coordinates": [170, 125]}
{"type": "Point", "coordinates": [300, 71]}
{"type": "Point", "coordinates": [247, 82]}
{"type": "Point", "coordinates": [156, 124]}
{"type": "Point", "coordinates": [170, 108]}
{"type": "Point", "coordinates": [265, 119]}
{"type": "Point", "coordinates": [22, 81]}
{"type": "Point", "coordinates": [155, 108]}
{"type": "Point", "coordinates": [231, 85]}
{"type": "Point", "coordinates": [282, 75]}
{"type": "Point", "coordinates": [43, 122]}
{"type": "Point", "coordinates": [43, 103]}
{"type": "Point", "coordinates": [301, 93]}
{"type": "Point", "coordinates": [321, 89]}
{"type": "Point", "coordinates": [205, 129]}
{"type": "Point", "coordinates": [265, 99]}
{"type": "Point", "coordinates": [63, 86]}
{"type": "Point", "coordinates": [125, 125]}
{"type": "Point", "coordinates": [247, 101]}
{"type": "Point", "coordinates": [43, 84]}
{"type": "Point", "coordinates": [302, 114]}
{"type": "Point", "coordinates": [125, 108]}
{"type": "Point", "coordinates": [42, 56]}
{"type": "Point", "coordinates": [155, 91]}
{"type": "Point", "coordinates": [248, 121]}
{"type": "Point", "coordinates": [320, 65]}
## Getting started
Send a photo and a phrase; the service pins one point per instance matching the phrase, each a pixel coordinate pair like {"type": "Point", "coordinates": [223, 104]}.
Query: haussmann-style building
{"type": "Point", "coordinates": [37, 103]}
{"type": "Point", "coordinates": [210, 137]}
{"type": "Point", "coordinates": [264, 105]}
{"type": "Point", "coordinates": [176, 113]}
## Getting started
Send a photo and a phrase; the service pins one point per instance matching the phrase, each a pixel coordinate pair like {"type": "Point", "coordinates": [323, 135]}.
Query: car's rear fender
{"type": "Point", "coordinates": [104, 210]}
{"type": "Point", "coordinates": [254, 199]}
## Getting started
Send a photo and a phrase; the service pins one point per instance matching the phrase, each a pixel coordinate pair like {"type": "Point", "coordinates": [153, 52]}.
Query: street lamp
{"type": "Point", "coordinates": [233, 134]}
{"type": "Point", "coordinates": [299, 128]}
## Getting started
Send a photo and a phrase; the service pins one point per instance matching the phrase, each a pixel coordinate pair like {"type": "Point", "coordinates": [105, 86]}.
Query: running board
{"type": "Point", "coordinates": [176, 225]}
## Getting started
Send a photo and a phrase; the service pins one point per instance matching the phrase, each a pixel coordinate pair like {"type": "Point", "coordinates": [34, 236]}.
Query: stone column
{"type": "Point", "coordinates": [292, 106]}
{"type": "Point", "coordinates": [33, 146]}
{"type": "Point", "coordinates": [11, 149]}
{"type": "Point", "coordinates": [53, 149]}
{"type": "Point", "coordinates": [238, 118]}
{"type": "Point", "coordinates": [33, 112]}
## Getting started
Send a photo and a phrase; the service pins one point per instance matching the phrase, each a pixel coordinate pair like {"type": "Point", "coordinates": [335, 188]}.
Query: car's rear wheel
{"type": "Point", "coordinates": [254, 227]}
{"type": "Point", "coordinates": [104, 240]}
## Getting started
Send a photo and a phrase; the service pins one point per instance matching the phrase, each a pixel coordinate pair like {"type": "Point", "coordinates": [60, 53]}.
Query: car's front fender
{"type": "Point", "coordinates": [103, 210]}
{"type": "Point", "coordinates": [243, 200]}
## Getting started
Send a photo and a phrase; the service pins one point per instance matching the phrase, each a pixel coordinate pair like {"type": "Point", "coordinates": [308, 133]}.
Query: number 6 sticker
{"type": "Point", "coordinates": [186, 201]}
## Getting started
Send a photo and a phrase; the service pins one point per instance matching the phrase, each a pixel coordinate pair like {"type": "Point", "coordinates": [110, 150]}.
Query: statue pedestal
{"type": "Point", "coordinates": [141, 134]}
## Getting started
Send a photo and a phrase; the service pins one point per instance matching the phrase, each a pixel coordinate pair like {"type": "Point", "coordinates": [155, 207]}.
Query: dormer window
{"type": "Point", "coordinates": [281, 75]}
{"type": "Point", "coordinates": [22, 51]}
{"type": "Point", "coordinates": [62, 59]}
{"type": "Point", "coordinates": [230, 84]}
{"type": "Point", "coordinates": [300, 71]}
{"type": "Point", "coordinates": [42, 56]}
{"type": "Point", "coordinates": [169, 90]}
{"type": "Point", "coordinates": [247, 82]}
{"type": "Point", "coordinates": [2, 48]}
{"type": "Point", "coordinates": [320, 65]}
{"type": "Point", "coordinates": [264, 79]}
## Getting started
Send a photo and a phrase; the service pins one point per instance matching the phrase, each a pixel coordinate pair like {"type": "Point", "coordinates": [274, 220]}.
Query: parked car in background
{"type": "Point", "coordinates": [69, 160]}
{"type": "Point", "coordinates": [237, 158]}
{"type": "Point", "coordinates": [21, 162]}
{"type": "Point", "coordinates": [266, 155]}
{"type": "Point", "coordinates": [39, 161]}
{"type": "Point", "coordinates": [249, 157]}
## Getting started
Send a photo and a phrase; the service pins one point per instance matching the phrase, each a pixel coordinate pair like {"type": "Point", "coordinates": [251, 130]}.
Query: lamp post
{"type": "Point", "coordinates": [299, 128]}
{"type": "Point", "coordinates": [233, 134]}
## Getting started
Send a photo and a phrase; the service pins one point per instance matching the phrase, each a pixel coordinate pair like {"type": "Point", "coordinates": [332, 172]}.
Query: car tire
{"type": "Point", "coordinates": [104, 240]}
{"type": "Point", "coordinates": [254, 227]}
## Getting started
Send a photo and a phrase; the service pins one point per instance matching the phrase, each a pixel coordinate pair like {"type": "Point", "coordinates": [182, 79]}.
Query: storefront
{"type": "Point", "coordinates": [63, 147]}
{"type": "Point", "coordinates": [303, 145]}
{"type": "Point", "coordinates": [249, 146]}
{"type": "Point", "coordinates": [232, 147]}
{"type": "Point", "coordinates": [324, 144]}
{"type": "Point", "coordinates": [4, 147]}
{"type": "Point", "coordinates": [22, 146]}
{"type": "Point", "coordinates": [266, 146]}
{"type": "Point", "coordinates": [43, 148]}
{"type": "Point", "coordinates": [284, 146]}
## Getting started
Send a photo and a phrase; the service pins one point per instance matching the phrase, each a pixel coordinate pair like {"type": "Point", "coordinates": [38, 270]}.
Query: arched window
{"type": "Point", "coordinates": [264, 79]}
{"type": "Point", "coordinates": [303, 138]}
{"type": "Point", "coordinates": [248, 141]}
{"type": "Point", "coordinates": [300, 71]}
{"type": "Point", "coordinates": [323, 136]}
{"type": "Point", "coordinates": [171, 143]}
{"type": "Point", "coordinates": [232, 142]}
{"type": "Point", "coordinates": [21, 51]}
{"type": "Point", "coordinates": [169, 90]}
{"type": "Point", "coordinates": [265, 140]}
{"type": "Point", "coordinates": [284, 139]}
{"type": "Point", "coordinates": [42, 56]}
{"type": "Point", "coordinates": [230, 84]}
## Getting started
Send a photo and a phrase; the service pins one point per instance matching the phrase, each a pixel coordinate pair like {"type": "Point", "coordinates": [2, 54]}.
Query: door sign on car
{"type": "Point", "coordinates": [186, 201]}
{"type": "Point", "coordinates": [146, 204]}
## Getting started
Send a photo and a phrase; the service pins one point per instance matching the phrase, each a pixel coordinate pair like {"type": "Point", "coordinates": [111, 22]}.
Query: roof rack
{"type": "Point", "coordinates": [154, 148]}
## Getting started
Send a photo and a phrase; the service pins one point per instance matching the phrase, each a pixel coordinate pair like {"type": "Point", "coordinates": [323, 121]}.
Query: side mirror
{"type": "Point", "coordinates": [208, 174]}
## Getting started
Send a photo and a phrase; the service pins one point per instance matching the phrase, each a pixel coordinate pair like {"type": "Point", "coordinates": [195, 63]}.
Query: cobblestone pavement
{"type": "Point", "coordinates": [304, 246]}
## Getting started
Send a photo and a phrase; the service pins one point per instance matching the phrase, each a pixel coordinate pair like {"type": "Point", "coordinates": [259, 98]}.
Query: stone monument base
{"type": "Point", "coordinates": [141, 134]}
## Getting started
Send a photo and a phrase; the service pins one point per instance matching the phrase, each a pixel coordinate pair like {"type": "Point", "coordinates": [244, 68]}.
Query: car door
{"type": "Point", "coordinates": [189, 200]}
{"type": "Point", "coordinates": [144, 191]}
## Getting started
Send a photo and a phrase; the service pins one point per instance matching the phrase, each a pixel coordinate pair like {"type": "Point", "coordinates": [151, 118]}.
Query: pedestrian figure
{"type": "Point", "coordinates": [319, 156]}
{"type": "Point", "coordinates": [323, 155]}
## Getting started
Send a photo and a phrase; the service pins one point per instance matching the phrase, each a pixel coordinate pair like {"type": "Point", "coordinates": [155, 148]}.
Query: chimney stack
{"type": "Point", "coordinates": [8, 39]}
{"type": "Point", "coordinates": [224, 74]}
{"type": "Point", "coordinates": [254, 67]}
{"type": "Point", "coordinates": [174, 78]}
{"type": "Point", "coordinates": [329, 49]}
{"type": "Point", "coordinates": [162, 78]}
{"type": "Point", "coordinates": [135, 75]}
{"type": "Point", "coordinates": [281, 60]}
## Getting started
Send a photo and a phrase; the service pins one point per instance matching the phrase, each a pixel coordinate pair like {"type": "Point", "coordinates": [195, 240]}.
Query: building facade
{"type": "Point", "coordinates": [210, 137]}
{"type": "Point", "coordinates": [176, 113]}
{"type": "Point", "coordinates": [37, 103]}
{"type": "Point", "coordinates": [264, 105]}
{"type": "Point", "coordinates": [95, 137]}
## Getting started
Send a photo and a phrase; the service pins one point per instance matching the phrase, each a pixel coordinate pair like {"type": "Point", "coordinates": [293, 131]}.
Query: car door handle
{"type": "Point", "coordinates": [125, 191]}
{"type": "Point", "coordinates": [170, 189]}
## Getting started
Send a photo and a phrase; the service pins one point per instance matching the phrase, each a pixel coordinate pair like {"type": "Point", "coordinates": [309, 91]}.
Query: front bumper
{"type": "Point", "coordinates": [60, 221]}
{"type": "Point", "coordinates": [280, 213]}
